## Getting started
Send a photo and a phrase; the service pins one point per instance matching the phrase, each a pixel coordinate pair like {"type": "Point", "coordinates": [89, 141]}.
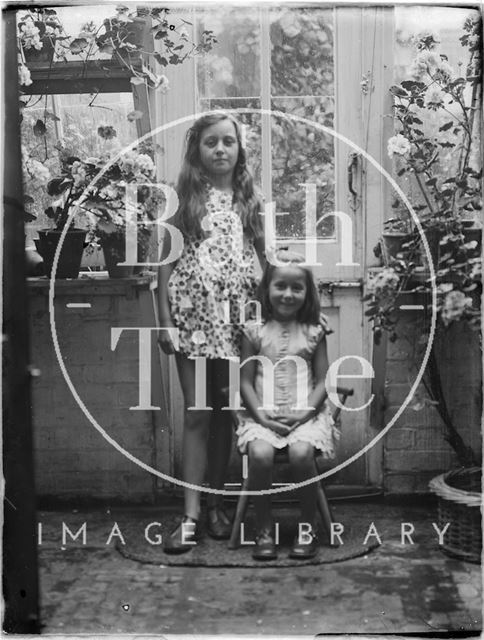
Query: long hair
{"type": "Point", "coordinates": [192, 183]}
{"type": "Point", "coordinates": [309, 313]}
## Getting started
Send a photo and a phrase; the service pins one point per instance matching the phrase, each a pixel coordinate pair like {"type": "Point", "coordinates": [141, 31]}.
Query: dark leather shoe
{"type": "Point", "coordinates": [184, 537]}
{"type": "Point", "coordinates": [218, 524]}
{"type": "Point", "coordinates": [265, 548]}
{"type": "Point", "coordinates": [302, 550]}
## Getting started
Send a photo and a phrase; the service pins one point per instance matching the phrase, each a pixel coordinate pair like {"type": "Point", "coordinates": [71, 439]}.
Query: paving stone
{"type": "Point", "coordinates": [394, 590]}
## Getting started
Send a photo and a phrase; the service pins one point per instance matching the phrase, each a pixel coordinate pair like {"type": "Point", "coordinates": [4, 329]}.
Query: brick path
{"type": "Point", "coordinates": [395, 589]}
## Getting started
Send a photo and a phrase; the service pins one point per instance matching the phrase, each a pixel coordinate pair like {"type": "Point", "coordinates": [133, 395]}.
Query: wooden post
{"type": "Point", "coordinates": [20, 582]}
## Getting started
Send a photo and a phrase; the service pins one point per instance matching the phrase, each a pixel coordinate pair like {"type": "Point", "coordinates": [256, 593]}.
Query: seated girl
{"type": "Point", "coordinates": [293, 338]}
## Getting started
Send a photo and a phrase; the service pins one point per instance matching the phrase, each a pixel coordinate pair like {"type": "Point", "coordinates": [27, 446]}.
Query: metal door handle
{"type": "Point", "coordinates": [352, 166]}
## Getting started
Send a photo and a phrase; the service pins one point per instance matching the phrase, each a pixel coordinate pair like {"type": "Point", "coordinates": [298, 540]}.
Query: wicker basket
{"type": "Point", "coordinates": [459, 501]}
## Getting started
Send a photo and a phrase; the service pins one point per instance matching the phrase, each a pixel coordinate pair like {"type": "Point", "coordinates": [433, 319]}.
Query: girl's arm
{"type": "Point", "coordinates": [164, 312]}
{"type": "Point", "coordinates": [260, 241]}
{"type": "Point", "coordinates": [260, 249]}
{"type": "Point", "coordinates": [319, 394]}
{"type": "Point", "coordinates": [249, 396]}
{"type": "Point", "coordinates": [320, 369]}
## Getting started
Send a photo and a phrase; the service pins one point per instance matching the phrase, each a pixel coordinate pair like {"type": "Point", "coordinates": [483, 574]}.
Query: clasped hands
{"type": "Point", "coordinates": [284, 423]}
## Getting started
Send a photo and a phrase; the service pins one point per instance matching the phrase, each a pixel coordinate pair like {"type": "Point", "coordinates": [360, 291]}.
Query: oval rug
{"type": "Point", "coordinates": [215, 553]}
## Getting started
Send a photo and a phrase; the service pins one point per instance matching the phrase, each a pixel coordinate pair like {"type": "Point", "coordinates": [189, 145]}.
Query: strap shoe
{"type": "Point", "coordinates": [184, 537]}
{"type": "Point", "coordinates": [265, 548]}
{"type": "Point", "coordinates": [218, 523]}
{"type": "Point", "coordinates": [302, 549]}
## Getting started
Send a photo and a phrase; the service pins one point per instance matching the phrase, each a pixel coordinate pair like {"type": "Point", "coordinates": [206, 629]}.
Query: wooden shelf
{"type": "Point", "coordinates": [106, 76]}
{"type": "Point", "coordinates": [94, 283]}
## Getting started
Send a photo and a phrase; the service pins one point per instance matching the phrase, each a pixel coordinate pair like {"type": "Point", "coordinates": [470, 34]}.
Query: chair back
{"type": "Point", "coordinates": [343, 393]}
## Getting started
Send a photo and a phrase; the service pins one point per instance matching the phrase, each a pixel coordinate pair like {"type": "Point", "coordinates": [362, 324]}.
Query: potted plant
{"type": "Point", "coordinates": [396, 232]}
{"type": "Point", "coordinates": [66, 188]}
{"type": "Point", "coordinates": [112, 210]}
{"type": "Point", "coordinates": [127, 36]}
{"type": "Point", "coordinates": [437, 144]}
{"type": "Point", "coordinates": [437, 149]}
{"type": "Point", "coordinates": [39, 30]}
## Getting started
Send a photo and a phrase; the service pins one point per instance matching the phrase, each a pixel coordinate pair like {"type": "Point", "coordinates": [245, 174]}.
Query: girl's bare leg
{"type": "Point", "coordinates": [301, 457]}
{"type": "Point", "coordinates": [195, 436]}
{"type": "Point", "coordinates": [221, 427]}
{"type": "Point", "coordinates": [261, 461]}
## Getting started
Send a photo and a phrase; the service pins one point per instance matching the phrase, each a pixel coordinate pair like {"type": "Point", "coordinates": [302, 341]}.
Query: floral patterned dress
{"type": "Point", "coordinates": [277, 341]}
{"type": "Point", "coordinates": [212, 282]}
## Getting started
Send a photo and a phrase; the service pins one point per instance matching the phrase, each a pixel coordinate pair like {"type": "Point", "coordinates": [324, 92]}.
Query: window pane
{"type": "Point", "coordinates": [232, 68]}
{"type": "Point", "coordinates": [302, 52]}
{"type": "Point", "coordinates": [81, 115]}
{"type": "Point", "coordinates": [302, 154]}
{"type": "Point", "coordinates": [301, 82]}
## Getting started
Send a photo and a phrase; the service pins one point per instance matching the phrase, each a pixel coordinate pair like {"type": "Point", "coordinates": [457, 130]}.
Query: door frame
{"type": "Point", "coordinates": [369, 30]}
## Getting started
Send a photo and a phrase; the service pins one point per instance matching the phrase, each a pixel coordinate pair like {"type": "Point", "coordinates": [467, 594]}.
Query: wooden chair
{"type": "Point", "coordinates": [281, 456]}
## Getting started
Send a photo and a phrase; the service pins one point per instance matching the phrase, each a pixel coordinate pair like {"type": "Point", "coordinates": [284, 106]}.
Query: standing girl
{"type": "Point", "coordinates": [293, 339]}
{"type": "Point", "coordinates": [202, 295]}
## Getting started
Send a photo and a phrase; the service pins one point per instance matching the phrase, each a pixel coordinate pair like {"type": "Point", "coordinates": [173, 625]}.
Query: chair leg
{"type": "Point", "coordinates": [242, 504]}
{"type": "Point", "coordinates": [324, 511]}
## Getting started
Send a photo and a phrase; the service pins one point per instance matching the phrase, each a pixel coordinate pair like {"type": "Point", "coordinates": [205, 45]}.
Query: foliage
{"type": "Point", "coordinates": [396, 225]}
{"type": "Point", "coordinates": [302, 65]}
{"type": "Point", "coordinates": [382, 292]}
{"type": "Point", "coordinates": [302, 154]}
{"type": "Point", "coordinates": [448, 191]}
{"type": "Point", "coordinates": [39, 161]}
{"type": "Point", "coordinates": [105, 184]}
{"type": "Point", "coordinates": [437, 150]}
{"type": "Point", "coordinates": [96, 188]}
{"type": "Point", "coordinates": [67, 188]}
{"type": "Point", "coordinates": [301, 52]}
{"type": "Point", "coordinates": [121, 36]}
{"type": "Point", "coordinates": [38, 27]}
{"type": "Point", "coordinates": [232, 69]}
{"type": "Point", "coordinates": [72, 135]}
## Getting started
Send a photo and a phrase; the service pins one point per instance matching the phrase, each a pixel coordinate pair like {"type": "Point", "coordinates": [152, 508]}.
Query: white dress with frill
{"type": "Point", "coordinates": [277, 340]}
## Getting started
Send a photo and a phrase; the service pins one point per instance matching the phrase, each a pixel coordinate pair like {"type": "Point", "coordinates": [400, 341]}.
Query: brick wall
{"type": "Point", "coordinates": [72, 459]}
{"type": "Point", "coordinates": [414, 448]}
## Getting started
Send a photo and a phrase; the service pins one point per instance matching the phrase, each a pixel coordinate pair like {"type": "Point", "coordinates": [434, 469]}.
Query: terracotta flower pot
{"type": "Point", "coordinates": [392, 242]}
{"type": "Point", "coordinates": [114, 249]}
{"type": "Point", "coordinates": [70, 256]}
{"type": "Point", "coordinates": [46, 54]}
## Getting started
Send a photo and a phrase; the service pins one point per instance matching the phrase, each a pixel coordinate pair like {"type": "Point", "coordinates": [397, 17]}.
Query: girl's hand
{"type": "Point", "coordinates": [274, 425]}
{"type": "Point", "coordinates": [278, 427]}
{"type": "Point", "coordinates": [287, 419]}
{"type": "Point", "coordinates": [165, 341]}
{"type": "Point", "coordinates": [295, 418]}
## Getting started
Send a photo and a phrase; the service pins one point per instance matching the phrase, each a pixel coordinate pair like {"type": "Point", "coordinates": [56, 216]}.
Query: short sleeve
{"type": "Point", "coordinates": [317, 332]}
{"type": "Point", "coordinates": [252, 331]}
